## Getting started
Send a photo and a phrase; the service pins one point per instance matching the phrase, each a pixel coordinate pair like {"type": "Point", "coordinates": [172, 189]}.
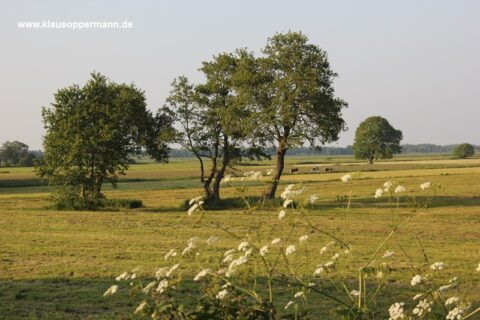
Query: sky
{"type": "Point", "coordinates": [416, 63]}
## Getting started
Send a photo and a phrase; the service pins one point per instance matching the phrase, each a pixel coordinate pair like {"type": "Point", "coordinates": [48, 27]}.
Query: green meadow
{"type": "Point", "coordinates": [58, 264]}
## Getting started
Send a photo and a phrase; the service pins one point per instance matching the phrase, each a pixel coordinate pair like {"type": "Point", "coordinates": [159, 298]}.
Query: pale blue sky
{"type": "Point", "coordinates": [414, 62]}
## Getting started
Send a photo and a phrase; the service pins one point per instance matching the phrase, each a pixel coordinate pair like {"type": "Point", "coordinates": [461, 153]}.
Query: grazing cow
{"type": "Point", "coordinates": [329, 169]}
{"type": "Point", "coordinates": [316, 169]}
{"type": "Point", "coordinates": [294, 170]}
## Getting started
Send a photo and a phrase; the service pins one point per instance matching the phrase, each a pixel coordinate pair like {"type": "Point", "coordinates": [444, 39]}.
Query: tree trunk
{"type": "Point", "coordinates": [281, 151]}
{"type": "Point", "coordinates": [221, 172]}
{"type": "Point", "coordinates": [370, 160]}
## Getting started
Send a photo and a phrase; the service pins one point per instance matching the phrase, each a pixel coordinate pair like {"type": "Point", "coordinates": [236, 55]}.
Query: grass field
{"type": "Point", "coordinates": [56, 265]}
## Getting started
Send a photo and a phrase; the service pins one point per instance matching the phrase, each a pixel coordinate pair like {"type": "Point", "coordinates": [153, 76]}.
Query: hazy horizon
{"type": "Point", "coordinates": [412, 62]}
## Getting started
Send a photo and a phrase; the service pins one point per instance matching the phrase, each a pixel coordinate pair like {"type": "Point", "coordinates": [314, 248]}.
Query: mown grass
{"type": "Point", "coordinates": [56, 265]}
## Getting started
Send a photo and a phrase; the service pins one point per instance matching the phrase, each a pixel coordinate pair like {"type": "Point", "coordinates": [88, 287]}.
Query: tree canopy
{"type": "Point", "coordinates": [376, 139]}
{"type": "Point", "coordinates": [464, 150]}
{"type": "Point", "coordinates": [91, 132]}
{"type": "Point", "coordinates": [16, 153]}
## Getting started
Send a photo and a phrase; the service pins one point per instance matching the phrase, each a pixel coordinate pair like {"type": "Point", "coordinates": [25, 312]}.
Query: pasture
{"type": "Point", "coordinates": [57, 264]}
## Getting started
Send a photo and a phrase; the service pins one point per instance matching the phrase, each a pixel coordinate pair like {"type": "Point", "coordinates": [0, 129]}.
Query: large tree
{"type": "Point", "coordinates": [14, 153]}
{"type": "Point", "coordinates": [292, 95]}
{"type": "Point", "coordinates": [463, 151]}
{"type": "Point", "coordinates": [91, 132]}
{"type": "Point", "coordinates": [375, 138]}
{"type": "Point", "coordinates": [216, 124]}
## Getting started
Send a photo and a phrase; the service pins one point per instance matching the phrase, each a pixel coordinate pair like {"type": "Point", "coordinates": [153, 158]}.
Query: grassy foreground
{"type": "Point", "coordinates": [56, 265]}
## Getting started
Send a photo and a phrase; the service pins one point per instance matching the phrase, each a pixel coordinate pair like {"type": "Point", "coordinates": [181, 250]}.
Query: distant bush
{"type": "Point", "coordinates": [463, 151]}
{"type": "Point", "coordinates": [69, 199]}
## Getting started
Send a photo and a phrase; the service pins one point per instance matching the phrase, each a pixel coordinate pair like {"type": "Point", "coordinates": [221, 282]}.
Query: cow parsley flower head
{"type": "Point", "coordinates": [291, 191]}
{"type": "Point", "coordinates": [396, 311]}
{"type": "Point", "coordinates": [318, 271]}
{"type": "Point", "coordinates": [455, 314]}
{"type": "Point", "coordinates": [162, 286]}
{"type": "Point", "coordinates": [211, 240]}
{"type": "Point", "coordinates": [400, 189]}
{"type": "Point", "coordinates": [387, 185]}
{"type": "Point", "coordinates": [112, 290]}
{"type": "Point", "coordinates": [437, 266]}
{"type": "Point", "coordinates": [222, 294]}
{"type": "Point", "coordinates": [263, 251]}
{"type": "Point", "coordinates": [323, 250]}
{"type": "Point", "coordinates": [422, 308]}
{"type": "Point", "coordinates": [281, 214]}
{"type": "Point", "coordinates": [140, 307]}
{"type": "Point", "coordinates": [193, 208]}
{"type": "Point", "coordinates": [289, 303]}
{"type": "Point", "coordinates": [303, 238]}
{"type": "Point", "coordinates": [123, 276]}
{"type": "Point", "coordinates": [195, 200]}
{"type": "Point", "coordinates": [478, 268]}
{"type": "Point", "coordinates": [299, 294]}
{"type": "Point", "coordinates": [290, 250]}
{"type": "Point", "coordinates": [276, 241]}
{"type": "Point", "coordinates": [346, 177]}
{"type": "Point", "coordinates": [287, 202]}
{"type": "Point", "coordinates": [416, 280]}
{"type": "Point", "coordinates": [171, 253]}
{"type": "Point", "coordinates": [388, 254]}
{"type": "Point", "coordinates": [243, 246]}
{"type": "Point", "coordinates": [425, 185]}
{"type": "Point", "coordinates": [378, 193]}
{"type": "Point", "coordinates": [451, 301]}
{"type": "Point", "coordinates": [312, 198]}
{"type": "Point", "coordinates": [202, 274]}
{"type": "Point", "coordinates": [355, 293]}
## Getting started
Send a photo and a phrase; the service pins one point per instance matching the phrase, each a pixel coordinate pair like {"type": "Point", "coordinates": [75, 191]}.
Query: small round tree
{"type": "Point", "coordinates": [376, 139]}
{"type": "Point", "coordinates": [463, 151]}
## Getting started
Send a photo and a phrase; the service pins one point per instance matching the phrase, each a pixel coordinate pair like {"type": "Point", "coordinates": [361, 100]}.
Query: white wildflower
{"type": "Point", "coordinates": [355, 293]}
{"type": "Point", "coordinates": [329, 264]}
{"type": "Point", "coordinates": [478, 268]}
{"type": "Point", "coordinates": [400, 189]}
{"type": "Point", "coordinates": [269, 172]}
{"type": "Point", "coordinates": [263, 251]}
{"type": "Point", "coordinates": [211, 240]}
{"type": "Point", "coordinates": [378, 193]}
{"type": "Point", "coordinates": [323, 250]}
{"type": "Point", "coordinates": [228, 258]}
{"type": "Point", "coordinates": [201, 274]}
{"type": "Point", "coordinates": [312, 198]}
{"type": "Point", "coordinates": [299, 294]}
{"type": "Point", "coordinates": [243, 246]}
{"type": "Point", "coordinates": [140, 307]}
{"type": "Point", "coordinates": [452, 300]}
{"type": "Point", "coordinates": [193, 208]}
{"type": "Point", "coordinates": [437, 266]}
{"type": "Point", "coordinates": [123, 276]}
{"type": "Point", "coordinates": [276, 240]}
{"type": "Point", "coordinates": [229, 252]}
{"type": "Point", "coordinates": [416, 280]}
{"type": "Point", "coordinates": [455, 314]}
{"type": "Point", "coordinates": [171, 253]}
{"type": "Point", "coordinates": [162, 272]}
{"type": "Point", "coordinates": [418, 296]}
{"type": "Point", "coordinates": [149, 286]}
{"type": "Point", "coordinates": [172, 269]}
{"type": "Point", "coordinates": [318, 271]}
{"type": "Point", "coordinates": [195, 200]}
{"type": "Point", "coordinates": [291, 192]}
{"type": "Point", "coordinates": [387, 185]}
{"type": "Point", "coordinates": [388, 254]}
{"type": "Point", "coordinates": [112, 290]}
{"type": "Point", "coordinates": [290, 249]}
{"type": "Point", "coordinates": [221, 294]}
{"type": "Point", "coordinates": [303, 238]}
{"type": "Point", "coordinates": [346, 177]}
{"type": "Point", "coordinates": [396, 311]}
{"type": "Point", "coordinates": [422, 308]}
{"type": "Point", "coordinates": [336, 256]}
{"type": "Point", "coordinates": [425, 185]}
{"type": "Point", "coordinates": [281, 215]}
{"type": "Point", "coordinates": [162, 286]}
{"type": "Point", "coordinates": [289, 303]}
{"type": "Point", "coordinates": [287, 202]}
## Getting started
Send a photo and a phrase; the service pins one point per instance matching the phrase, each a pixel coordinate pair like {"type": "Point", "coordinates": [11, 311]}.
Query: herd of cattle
{"type": "Point", "coordinates": [315, 169]}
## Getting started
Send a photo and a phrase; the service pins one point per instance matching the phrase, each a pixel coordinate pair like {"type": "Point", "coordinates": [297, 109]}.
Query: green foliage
{"type": "Point", "coordinates": [376, 139]}
{"type": "Point", "coordinates": [91, 132]}
{"type": "Point", "coordinates": [290, 89]}
{"type": "Point", "coordinates": [463, 151]}
{"type": "Point", "coordinates": [15, 153]}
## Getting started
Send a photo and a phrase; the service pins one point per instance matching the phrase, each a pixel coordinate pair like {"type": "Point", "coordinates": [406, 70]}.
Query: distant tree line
{"type": "Point", "coordinates": [16, 153]}
{"type": "Point", "coordinates": [424, 148]}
